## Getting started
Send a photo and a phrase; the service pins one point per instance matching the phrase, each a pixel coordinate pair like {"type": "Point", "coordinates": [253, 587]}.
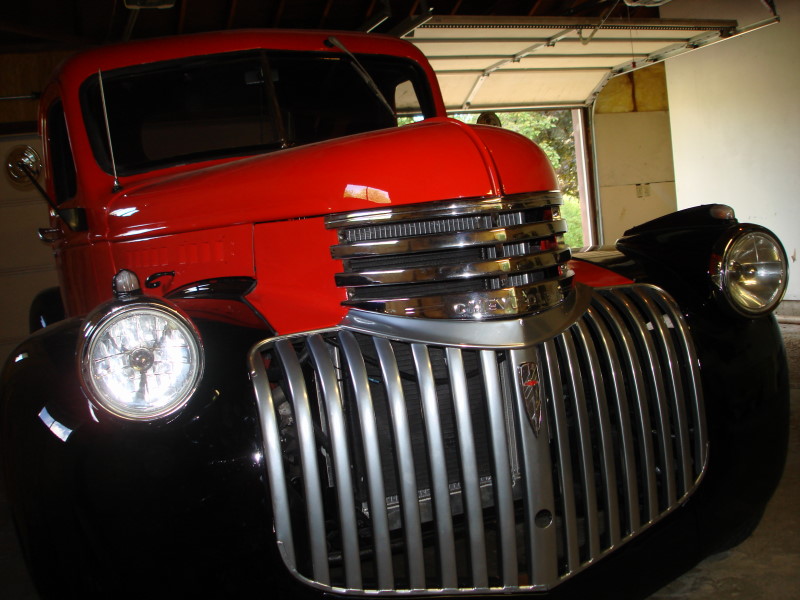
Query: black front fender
{"type": "Point", "coordinates": [117, 508]}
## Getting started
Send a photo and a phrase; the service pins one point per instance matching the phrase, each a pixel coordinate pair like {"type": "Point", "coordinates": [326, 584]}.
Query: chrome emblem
{"type": "Point", "coordinates": [530, 384]}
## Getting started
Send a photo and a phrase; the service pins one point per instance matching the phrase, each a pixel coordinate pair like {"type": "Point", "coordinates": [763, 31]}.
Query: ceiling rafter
{"type": "Point", "coordinates": [76, 23]}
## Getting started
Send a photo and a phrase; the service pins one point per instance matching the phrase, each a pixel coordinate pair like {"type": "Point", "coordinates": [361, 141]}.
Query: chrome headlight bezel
{"type": "Point", "coordinates": [728, 274]}
{"type": "Point", "coordinates": [109, 379]}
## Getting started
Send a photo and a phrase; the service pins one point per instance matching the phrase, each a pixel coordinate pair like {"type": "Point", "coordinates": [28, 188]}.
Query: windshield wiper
{"type": "Point", "coordinates": [359, 68]}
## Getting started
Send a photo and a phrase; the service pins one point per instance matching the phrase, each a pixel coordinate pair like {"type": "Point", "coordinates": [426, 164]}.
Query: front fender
{"type": "Point", "coordinates": [115, 508]}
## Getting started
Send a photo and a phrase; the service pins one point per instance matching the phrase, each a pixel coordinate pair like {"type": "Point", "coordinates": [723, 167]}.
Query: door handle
{"type": "Point", "coordinates": [50, 234]}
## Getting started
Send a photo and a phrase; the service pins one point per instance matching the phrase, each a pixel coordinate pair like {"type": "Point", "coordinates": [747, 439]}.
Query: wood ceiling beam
{"type": "Point", "coordinates": [46, 35]}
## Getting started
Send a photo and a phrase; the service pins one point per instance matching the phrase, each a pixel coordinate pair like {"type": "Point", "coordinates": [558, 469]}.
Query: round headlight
{"type": "Point", "coordinates": [141, 361]}
{"type": "Point", "coordinates": [753, 271]}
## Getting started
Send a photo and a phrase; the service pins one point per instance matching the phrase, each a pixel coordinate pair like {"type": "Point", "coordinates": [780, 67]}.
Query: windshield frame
{"type": "Point", "coordinates": [94, 119]}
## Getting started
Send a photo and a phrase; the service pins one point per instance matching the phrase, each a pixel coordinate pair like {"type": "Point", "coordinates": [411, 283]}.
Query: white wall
{"type": "Point", "coordinates": [736, 122]}
{"type": "Point", "coordinates": [634, 169]}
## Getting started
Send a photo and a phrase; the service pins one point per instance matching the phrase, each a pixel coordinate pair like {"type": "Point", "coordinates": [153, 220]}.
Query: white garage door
{"type": "Point", "coordinates": [26, 264]}
{"type": "Point", "coordinates": [500, 63]}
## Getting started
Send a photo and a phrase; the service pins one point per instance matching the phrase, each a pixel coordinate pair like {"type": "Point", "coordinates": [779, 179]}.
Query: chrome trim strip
{"type": "Point", "coordinates": [487, 237]}
{"type": "Point", "coordinates": [472, 258]}
{"type": "Point", "coordinates": [501, 267]}
{"type": "Point", "coordinates": [505, 333]}
{"type": "Point", "coordinates": [471, 305]}
{"type": "Point", "coordinates": [369, 434]}
{"type": "Point", "coordinates": [443, 209]}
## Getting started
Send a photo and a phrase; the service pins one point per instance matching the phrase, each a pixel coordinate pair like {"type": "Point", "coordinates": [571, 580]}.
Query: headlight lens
{"type": "Point", "coordinates": [752, 274]}
{"type": "Point", "coordinates": [141, 361]}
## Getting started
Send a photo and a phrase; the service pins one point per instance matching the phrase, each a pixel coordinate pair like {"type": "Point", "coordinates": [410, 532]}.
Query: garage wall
{"type": "Point", "coordinates": [635, 176]}
{"type": "Point", "coordinates": [634, 169]}
{"type": "Point", "coordinates": [26, 264]}
{"type": "Point", "coordinates": [24, 73]}
{"type": "Point", "coordinates": [735, 121]}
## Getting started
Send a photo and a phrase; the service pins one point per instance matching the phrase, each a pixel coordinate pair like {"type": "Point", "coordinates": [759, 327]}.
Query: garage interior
{"type": "Point", "coordinates": [675, 105]}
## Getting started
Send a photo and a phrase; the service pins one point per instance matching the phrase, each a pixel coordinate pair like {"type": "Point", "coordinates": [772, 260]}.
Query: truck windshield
{"type": "Point", "coordinates": [242, 103]}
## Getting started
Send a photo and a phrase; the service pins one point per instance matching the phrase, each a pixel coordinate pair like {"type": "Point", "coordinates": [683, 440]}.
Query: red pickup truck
{"type": "Point", "coordinates": [305, 344]}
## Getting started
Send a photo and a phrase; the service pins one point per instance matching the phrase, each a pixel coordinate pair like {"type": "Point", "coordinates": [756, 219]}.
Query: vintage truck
{"type": "Point", "coordinates": [299, 350]}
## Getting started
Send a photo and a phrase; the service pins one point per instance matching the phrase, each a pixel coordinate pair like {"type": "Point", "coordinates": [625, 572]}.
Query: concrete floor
{"type": "Point", "coordinates": [765, 567]}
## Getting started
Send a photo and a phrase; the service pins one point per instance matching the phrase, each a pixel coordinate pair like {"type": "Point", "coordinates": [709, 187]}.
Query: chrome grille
{"type": "Point", "coordinates": [469, 259]}
{"type": "Point", "coordinates": [496, 461]}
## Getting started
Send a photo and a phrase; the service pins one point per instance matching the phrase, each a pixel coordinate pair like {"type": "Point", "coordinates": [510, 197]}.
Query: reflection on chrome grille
{"type": "Point", "coordinates": [508, 458]}
{"type": "Point", "coordinates": [470, 258]}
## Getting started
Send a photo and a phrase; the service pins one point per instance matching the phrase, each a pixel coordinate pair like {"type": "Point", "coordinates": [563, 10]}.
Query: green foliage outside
{"type": "Point", "coordinates": [552, 131]}
{"type": "Point", "coordinates": [571, 211]}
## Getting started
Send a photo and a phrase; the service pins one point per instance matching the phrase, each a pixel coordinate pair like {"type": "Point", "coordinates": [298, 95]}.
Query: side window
{"type": "Point", "coordinates": [64, 179]}
{"type": "Point", "coordinates": [405, 99]}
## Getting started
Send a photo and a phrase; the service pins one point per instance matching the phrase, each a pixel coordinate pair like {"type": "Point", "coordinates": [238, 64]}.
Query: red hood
{"type": "Point", "coordinates": [438, 159]}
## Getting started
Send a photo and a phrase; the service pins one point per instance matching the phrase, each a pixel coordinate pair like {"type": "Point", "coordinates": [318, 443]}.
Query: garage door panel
{"type": "Point", "coordinates": [20, 246]}
{"type": "Point", "coordinates": [570, 58]}
{"type": "Point", "coordinates": [537, 86]}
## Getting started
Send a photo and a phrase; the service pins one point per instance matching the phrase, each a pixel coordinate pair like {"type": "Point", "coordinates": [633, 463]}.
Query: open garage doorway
{"type": "Point", "coordinates": [556, 133]}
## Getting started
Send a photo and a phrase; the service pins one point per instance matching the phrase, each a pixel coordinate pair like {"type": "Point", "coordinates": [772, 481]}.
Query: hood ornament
{"type": "Point", "coordinates": [530, 383]}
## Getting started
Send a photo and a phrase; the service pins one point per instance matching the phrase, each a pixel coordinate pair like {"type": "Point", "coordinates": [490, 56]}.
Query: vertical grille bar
{"type": "Point", "coordinates": [575, 382]}
{"type": "Point", "coordinates": [633, 368]}
{"type": "Point", "coordinates": [341, 459]}
{"type": "Point", "coordinates": [438, 467]}
{"type": "Point", "coordinates": [541, 545]}
{"type": "Point", "coordinates": [470, 484]}
{"type": "Point", "coordinates": [273, 456]}
{"type": "Point", "coordinates": [308, 455]}
{"type": "Point", "coordinates": [676, 389]}
{"type": "Point", "coordinates": [502, 469]}
{"type": "Point", "coordinates": [692, 369]}
{"type": "Point", "coordinates": [661, 413]}
{"type": "Point", "coordinates": [407, 472]}
{"type": "Point", "coordinates": [369, 434]}
{"type": "Point", "coordinates": [623, 423]}
{"type": "Point", "coordinates": [564, 463]}
{"type": "Point", "coordinates": [608, 472]}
